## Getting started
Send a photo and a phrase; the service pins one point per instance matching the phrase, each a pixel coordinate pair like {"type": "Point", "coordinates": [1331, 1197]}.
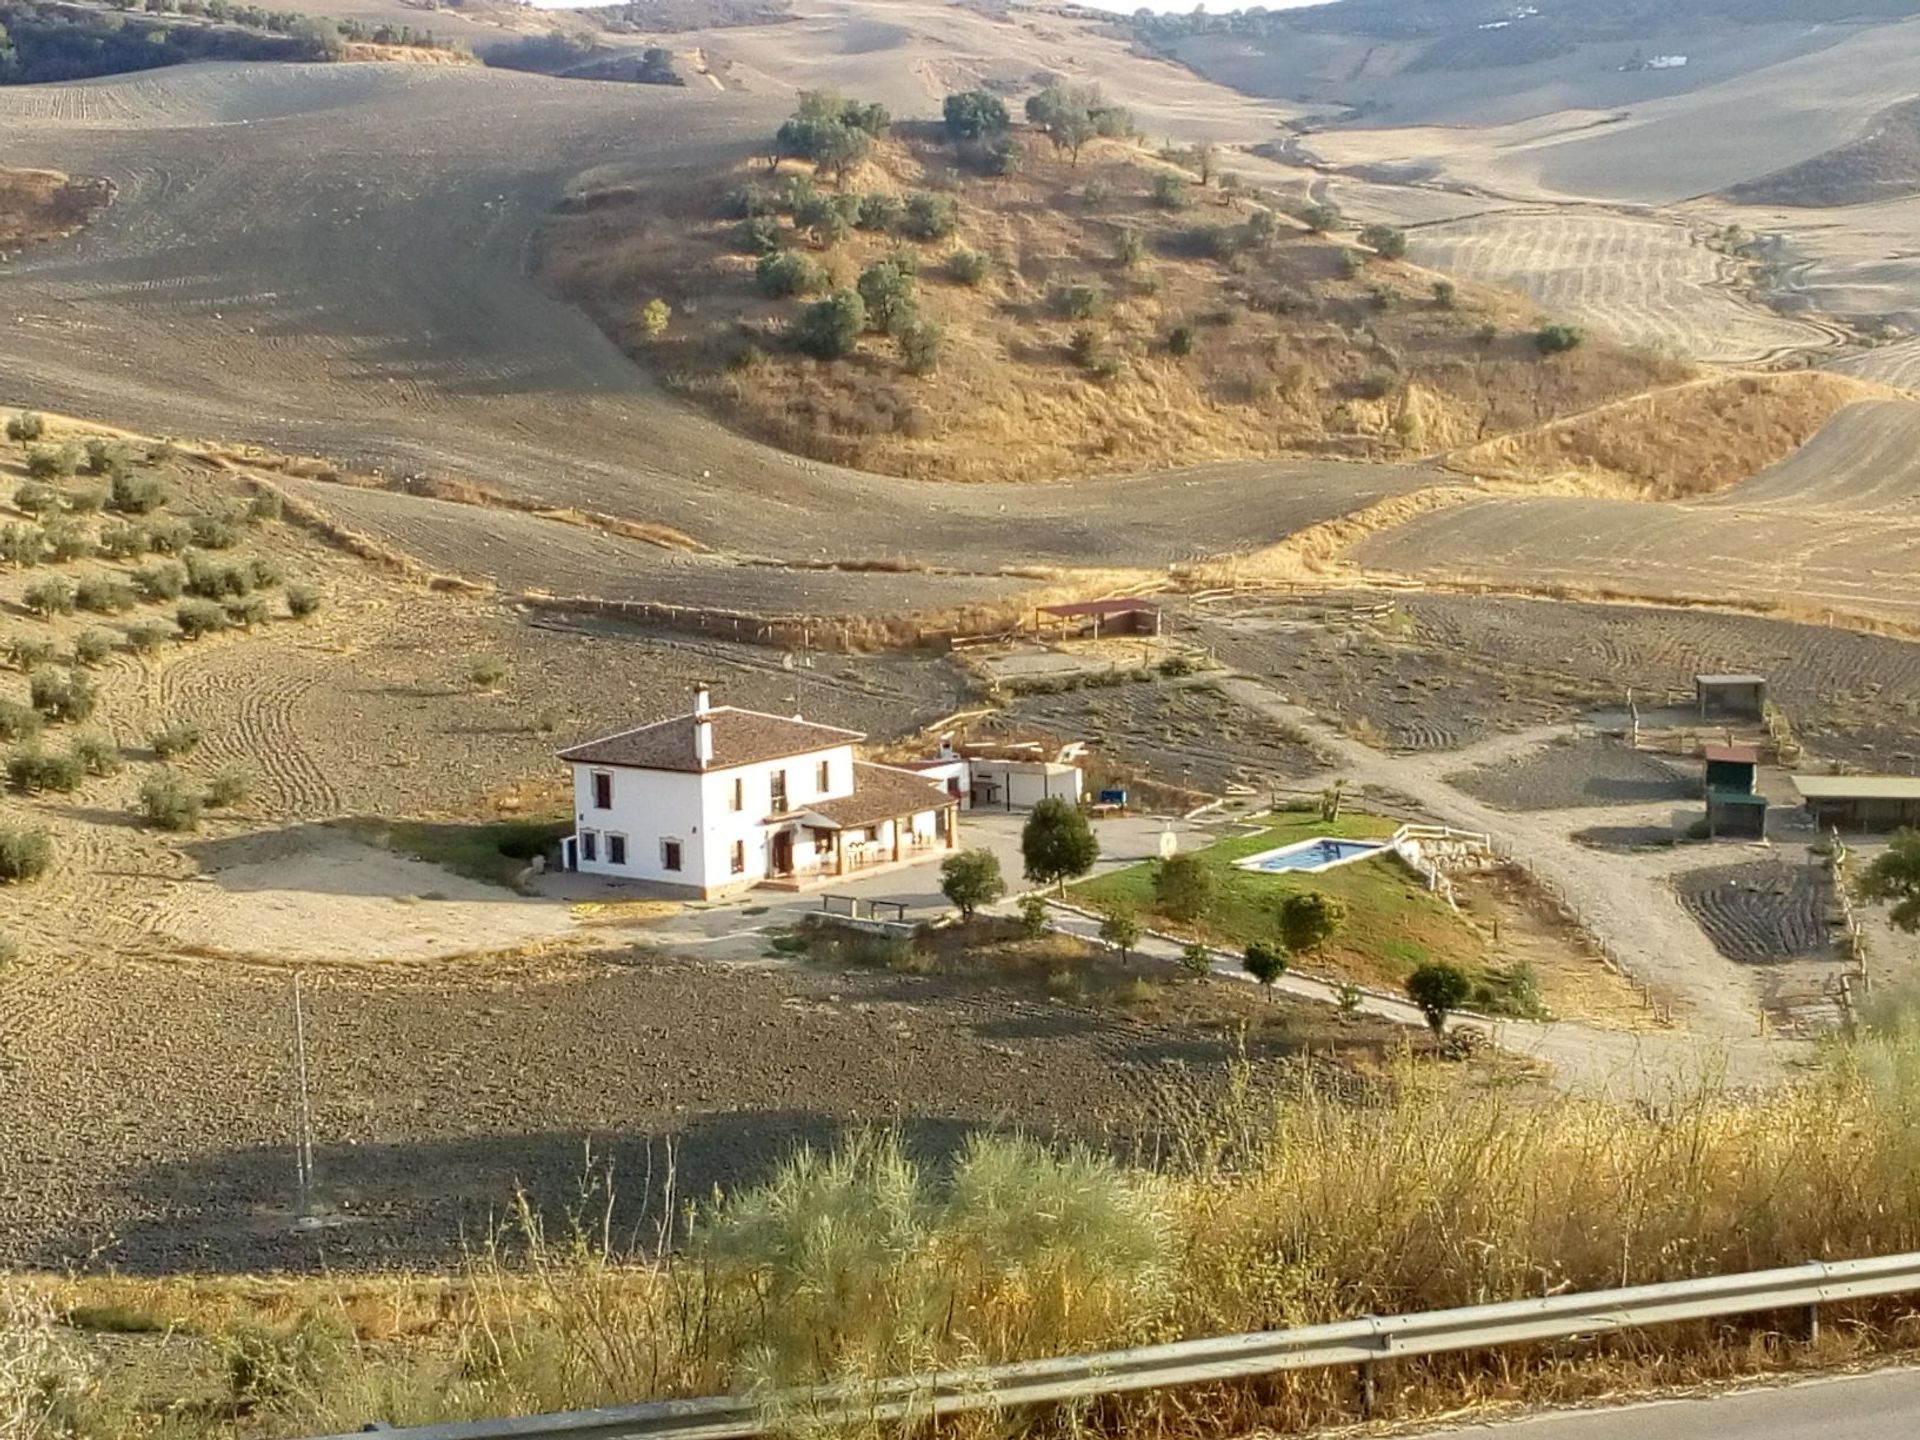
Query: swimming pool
{"type": "Point", "coordinates": [1310, 857]}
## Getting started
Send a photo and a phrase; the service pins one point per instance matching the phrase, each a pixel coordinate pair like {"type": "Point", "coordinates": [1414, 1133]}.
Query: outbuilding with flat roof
{"type": "Point", "coordinates": [1861, 802]}
{"type": "Point", "coordinates": [1731, 697]}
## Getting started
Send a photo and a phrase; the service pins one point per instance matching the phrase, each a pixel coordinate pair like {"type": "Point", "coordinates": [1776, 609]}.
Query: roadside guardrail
{"type": "Point", "coordinates": [1362, 1343]}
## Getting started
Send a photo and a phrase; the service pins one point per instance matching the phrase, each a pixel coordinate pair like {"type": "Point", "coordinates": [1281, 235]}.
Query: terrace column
{"type": "Point", "coordinates": [896, 840]}
{"type": "Point", "coordinates": [839, 852]}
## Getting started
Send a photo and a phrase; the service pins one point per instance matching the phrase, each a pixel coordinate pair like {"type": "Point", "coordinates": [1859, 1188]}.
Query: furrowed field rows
{"type": "Point", "coordinates": [1646, 281]}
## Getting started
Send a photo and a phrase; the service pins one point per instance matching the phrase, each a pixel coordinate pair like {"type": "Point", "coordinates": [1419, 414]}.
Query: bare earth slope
{"type": "Point", "coordinates": [1792, 537]}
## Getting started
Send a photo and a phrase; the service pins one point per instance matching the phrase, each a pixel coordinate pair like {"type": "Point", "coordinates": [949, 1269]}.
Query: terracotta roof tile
{"type": "Point", "coordinates": [740, 737]}
{"type": "Point", "coordinates": [880, 792]}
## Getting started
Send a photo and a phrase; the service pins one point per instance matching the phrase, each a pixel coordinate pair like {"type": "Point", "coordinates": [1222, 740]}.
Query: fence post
{"type": "Point", "coordinates": [1368, 1392]}
{"type": "Point", "coordinates": [1810, 1324]}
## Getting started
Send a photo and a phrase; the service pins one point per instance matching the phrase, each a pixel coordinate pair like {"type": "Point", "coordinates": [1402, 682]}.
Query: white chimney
{"type": "Point", "coordinates": [702, 727]}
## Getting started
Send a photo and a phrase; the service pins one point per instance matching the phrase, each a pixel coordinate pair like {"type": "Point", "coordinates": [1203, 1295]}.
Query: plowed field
{"type": "Point", "coordinates": [1647, 281]}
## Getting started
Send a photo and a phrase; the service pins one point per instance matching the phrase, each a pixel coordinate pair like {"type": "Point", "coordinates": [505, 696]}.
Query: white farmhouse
{"type": "Point", "coordinates": [722, 799]}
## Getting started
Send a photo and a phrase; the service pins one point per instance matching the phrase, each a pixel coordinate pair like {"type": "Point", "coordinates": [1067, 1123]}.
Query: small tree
{"type": "Point", "coordinates": [1262, 227]}
{"type": "Point", "coordinates": [975, 115]}
{"type": "Point", "coordinates": [929, 216]}
{"type": "Point", "coordinates": [968, 267]}
{"type": "Point", "coordinates": [830, 329]}
{"type": "Point", "coordinates": [655, 316]}
{"type": "Point", "coordinates": [26, 427]}
{"type": "Point", "coordinates": [921, 344]}
{"type": "Point", "coordinates": [887, 291]}
{"type": "Point", "coordinates": [168, 803]}
{"type": "Point", "coordinates": [1308, 920]}
{"type": "Point", "coordinates": [1131, 250]}
{"type": "Point", "coordinates": [1895, 875]}
{"type": "Point", "coordinates": [1033, 916]}
{"type": "Point", "coordinates": [1169, 191]}
{"type": "Point", "coordinates": [971, 879]}
{"type": "Point", "coordinates": [1320, 218]}
{"type": "Point", "coordinates": [1266, 963]}
{"type": "Point", "coordinates": [24, 854]}
{"type": "Point", "coordinates": [1196, 959]}
{"type": "Point", "coordinates": [1557, 339]}
{"type": "Point", "coordinates": [1183, 888]}
{"type": "Point", "coordinates": [1121, 929]}
{"type": "Point", "coordinates": [1385, 241]}
{"type": "Point", "coordinates": [1438, 989]}
{"type": "Point", "coordinates": [787, 272]}
{"type": "Point", "coordinates": [1445, 294]}
{"type": "Point", "coordinates": [1057, 844]}
{"type": "Point", "coordinates": [1205, 156]}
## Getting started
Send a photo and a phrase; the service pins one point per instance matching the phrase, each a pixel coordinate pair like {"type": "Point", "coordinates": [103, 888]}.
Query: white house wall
{"type": "Point", "coordinates": [648, 806]}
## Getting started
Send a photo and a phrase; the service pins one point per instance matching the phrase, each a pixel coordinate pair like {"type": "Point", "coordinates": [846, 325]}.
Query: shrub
{"type": "Point", "coordinates": [37, 772]}
{"type": "Point", "coordinates": [86, 502]}
{"type": "Point", "coordinates": [62, 696]}
{"type": "Point", "coordinates": [1445, 294]}
{"type": "Point", "coordinates": [52, 596]}
{"type": "Point", "coordinates": [36, 498]}
{"type": "Point", "coordinates": [971, 879]}
{"type": "Point", "coordinates": [97, 754]}
{"type": "Point", "coordinates": [199, 617]}
{"type": "Point", "coordinates": [247, 612]}
{"type": "Point", "coordinates": [1320, 218]}
{"type": "Point", "coordinates": [1385, 240]}
{"type": "Point", "coordinates": [1347, 263]}
{"type": "Point", "coordinates": [654, 318]}
{"type": "Point", "coordinates": [967, 267]}
{"type": "Point", "coordinates": [747, 201]}
{"type": "Point", "coordinates": [1557, 339]}
{"type": "Point", "coordinates": [1196, 959]}
{"type": "Point", "coordinates": [1082, 302]}
{"type": "Point", "coordinates": [1084, 347]}
{"type": "Point", "coordinates": [265, 505]}
{"type": "Point", "coordinates": [214, 532]}
{"type": "Point", "coordinates": [1183, 888]}
{"type": "Point", "coordinates": [18, 722]}
{"type": "Point", "coordinates": [23, 546]}
{"type": "Point", "coordinates": [28, 651]}
{"type": "Point", "coordinates": [1262, 227]}
{"type": "Point", "coordinates": [102, 595]}
{"type": "Point", "coordinates": [24, 854]}
{"type": "Point", "coordinates": [168, 803]}
{"type": "Point", "coordinates": [216, 579]}
{"type": "Point", "coordinates": [180, 738]}
{"type": "Point", "coordinates": [974, 114]}
{"type": "Point", "coordinates": [1181, 340]}
{"type": "Point", "coordinates": [1377, 384]}
{"type": "Point", "coordinates": [230, 786]}
{"type": "Point", "coordinates": [1169, 191]}
{"type": "Point", "coordinates": [25, 427]}
{"type": "Point", "coordinates": [147, 637]}
{"type": "Point", "coordinates": [165, 581]}
{"type": "Point", "coordinates": [787, 272]}
{"type": "Point", "coordinates": [302, 601]}
{"type": "Point", "coordinates": [104, 459]}
{"type": "Point", "coordinates": [90, 647]}
{"type": "Point", "coordinates": [878, 211]}
{"type": "Point", "coordinates": [486, 672]}
{"type": "Point", "coordinates": [760, 235]}
{"type": "Point", "coordinates": [265, 571]}
{"type": "Point", "coordinates": [168, 537]}
{"type": "Point", "coordinates": [929, 217]}
{"type": "Point", "coordinates": [830, 329]}
{"type": "Point", "coordinates": [48, 464]}
{"type": "Point", "coordinates": [1033, 916]}
{"type": "Point", "coordinates": [1308, 919]}
{"type": "Point", "coordinates": [921, 345]}
{"type": "Point", "coordinates": [67, 541]}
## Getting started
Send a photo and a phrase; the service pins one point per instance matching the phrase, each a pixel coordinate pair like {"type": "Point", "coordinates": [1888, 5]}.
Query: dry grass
{"type": "Point", "coordinates": [1290, 355]}
{"type": "Point", "coordinates": [866, 1262]}
{"type": "Point", "coordinates": [1684, 441]}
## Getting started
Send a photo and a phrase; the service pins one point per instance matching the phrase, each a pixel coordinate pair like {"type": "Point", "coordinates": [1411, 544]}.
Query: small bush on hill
{"type": "Point", "coordinates": [27, 651]}
{"type": "Point", "coordinates": [36, 498]}
{"type": "Point", "coordinates": [1181, 340]}
{"type": "Point", "coordinates": [929, 216]}
{"type": "Point", "coordinates": [888, 292]}
{"type": "Point", "coordinates": [230, 786]}
{"type": "Point", "coordinates": [486, 672]}
{"type": "Point", "coordinates": [23, 546]}
{"type": "Point", "coordinates": [38, 772]}
{"type": "Point", "coordinates": [92, 647]}
{"type": "Point", "coordinates": [18, 722]}
{"type": "Point", "coordinates": [968, 267]}
{"type": "Point", "coordinates": [168, 803]}
{"type": "Point", "coordinates": [1385, 241]}
{"type": "Point", "coordinates": [98, 754]}
{"type": "Point", "coordinates": [1082, 302]}
{"type": "Point", "coordinates": [786, 272]}
{"type": "Point", "coordinates": [921, 344]}
{"type": "Point", "coordinates": [147, 637]}
{"type": "Point", "coordinates": [197, 618]}
{"type": "Point", "coordinates": [62, 697]}
{"type": "Point", "coordinates": [67, 542]}
{"type": "Point", "coordinates": [878, 212]}
{"type": "Point", "coordinates": [25, 427]}
{"type": "Point", "coordinates": [104, 458]}
{"type": "Point", "coordinates": [24, 854]}
{"type": "Point", "coordinates": [168, 536]}
{"type": "Point", "coordinates": [1557, 339]}
{"type": "Point", "coordinates": [165, 581]}
{"type": "Point", "coordinates": [830, 329]}
{"type": "Point", "coordinates": [302, 601]}
{"type": "Point", "coordinates": [45, 463]}
{"type": "Point", "coordinates": [1169, 191]}
{"type": "Point", "coordinates": [975, 114]}
{"type": "Point", "coordinates": [1320, 218]}
{"type": "Point", "coordinates": [214, 532]}
{"type": "Point", "coordinates": [1445, 294]}
{"type": "Point", "coordinates": [248, 611]}
{"type": "Point", "coordinates": [181, 738]}
{"type": "Point", "coordinates": [52, 596]}
{"type": "Point", "coordinates": [102, 595]}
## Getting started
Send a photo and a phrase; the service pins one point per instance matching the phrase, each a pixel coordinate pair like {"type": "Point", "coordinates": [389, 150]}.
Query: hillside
{"type": "Point", "coordinates": [1883, 164]}
{"type": "Point", "coordinates": [41, 205]}
{"type": "Point", "coordinates": [1118, 312]}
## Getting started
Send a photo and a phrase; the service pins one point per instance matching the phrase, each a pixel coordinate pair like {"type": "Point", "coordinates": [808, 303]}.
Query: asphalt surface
{"type": "Point", "coordinates": [1883, 1406]}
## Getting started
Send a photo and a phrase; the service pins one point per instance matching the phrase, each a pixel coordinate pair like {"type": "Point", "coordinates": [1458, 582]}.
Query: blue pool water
{"type": "Point", "coordinates": [1320, 854]}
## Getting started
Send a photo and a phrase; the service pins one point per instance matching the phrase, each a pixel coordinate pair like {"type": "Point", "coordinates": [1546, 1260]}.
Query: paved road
{"type": "Point", "coordinates": [1884, 1406]}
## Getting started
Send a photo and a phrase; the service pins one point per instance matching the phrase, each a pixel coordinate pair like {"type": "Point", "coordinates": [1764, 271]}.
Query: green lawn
{"type": "Point", "coordinates": [493, 851]}
{"type": "Point", "coordinates": [1393, 923]}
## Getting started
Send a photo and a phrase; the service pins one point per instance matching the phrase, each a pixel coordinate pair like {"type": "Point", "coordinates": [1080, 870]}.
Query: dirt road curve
{"type": "Point", "coordinates": [332, 259]}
